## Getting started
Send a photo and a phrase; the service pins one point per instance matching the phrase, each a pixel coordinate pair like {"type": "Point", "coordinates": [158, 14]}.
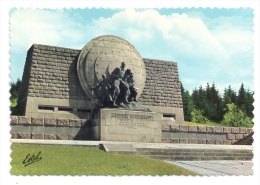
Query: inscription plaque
{"type": "Point", "coordinates": [132, 126]}
{"type": "Point", "coordinates": [114, 115]}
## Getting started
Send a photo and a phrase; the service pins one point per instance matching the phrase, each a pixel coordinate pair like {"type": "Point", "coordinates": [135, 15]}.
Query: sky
{"type": "Point", "coordinates": [209, 45]}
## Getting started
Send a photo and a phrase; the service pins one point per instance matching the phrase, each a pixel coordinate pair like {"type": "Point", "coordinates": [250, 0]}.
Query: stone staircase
{"type": "Point", "coordinates": [195, 154]}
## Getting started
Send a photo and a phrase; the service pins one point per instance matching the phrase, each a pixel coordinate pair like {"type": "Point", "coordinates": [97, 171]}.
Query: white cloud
{"type": "Point", "coordinates": [207, 50]}
{"type": "Point", "coordinates": [41, 26]}
{"type": "Point", "coordinates": [219, 54]}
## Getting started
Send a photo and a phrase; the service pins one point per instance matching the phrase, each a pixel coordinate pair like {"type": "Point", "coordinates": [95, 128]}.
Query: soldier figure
{"type": "Point", "coordinates": [106, 90]}
{"type": "Point", "coordinates": [119, 83]}
{"type": "Point", "coordinates": [133, 90]}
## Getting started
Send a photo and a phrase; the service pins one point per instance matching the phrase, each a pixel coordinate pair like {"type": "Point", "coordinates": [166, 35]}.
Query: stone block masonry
{"type": "Point", "coordinates": [162, 87]}
{"type": "Point", "coordinates": [51, 73]}
{"type": "Point", "coordinates": [26, 127]}
{"type": "Point", "coordinates": [204, 134]}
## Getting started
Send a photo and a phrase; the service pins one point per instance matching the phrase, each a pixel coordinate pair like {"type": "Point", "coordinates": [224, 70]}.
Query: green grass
{"type": "Point", "coordinates": [202, 124]}
{"type": "Point", "coordinates": [212, 124]}
{"type": "Point", "coordinates": [68, 160]}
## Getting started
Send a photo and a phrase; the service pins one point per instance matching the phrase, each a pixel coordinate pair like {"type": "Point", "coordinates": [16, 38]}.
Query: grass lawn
{"type": "Point", "coordinates": [69, 160]}
{"type": "Point", "coordinates": [202, 124]}
{"type": "Point", "coordinates": [211, 124]}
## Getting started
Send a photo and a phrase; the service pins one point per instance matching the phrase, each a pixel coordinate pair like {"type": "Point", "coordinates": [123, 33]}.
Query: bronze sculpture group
{"type": "Point", "coordinates": [119, 90]}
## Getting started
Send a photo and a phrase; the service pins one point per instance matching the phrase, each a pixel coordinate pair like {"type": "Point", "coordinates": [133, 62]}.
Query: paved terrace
{"type": "Point", "coordinates": [135, 144]}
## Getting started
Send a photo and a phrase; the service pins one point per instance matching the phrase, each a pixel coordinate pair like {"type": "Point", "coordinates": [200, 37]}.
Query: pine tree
{"type": "Point", "coordinates": [216, 101]}
{"type": "Point", "coordinates": [249, 104]}
{"type": "Point", "coordinates": [187, 104]}
{"type": "Point", "coordinates": [202, 99]}
{"type": "Point", "coordinates": [195, 97]}
{"type": "Point", "coordinates": [241, 99]}
{"type": "Point", "coordinates": [226, 97]}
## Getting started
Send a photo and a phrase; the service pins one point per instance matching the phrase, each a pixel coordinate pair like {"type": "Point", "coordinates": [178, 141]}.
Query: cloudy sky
{"type": "Point", "coordinates": [209, 45]}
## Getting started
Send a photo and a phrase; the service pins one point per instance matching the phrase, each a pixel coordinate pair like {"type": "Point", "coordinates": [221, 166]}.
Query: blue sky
{"type": "Point", "coordinates": [209, 45]}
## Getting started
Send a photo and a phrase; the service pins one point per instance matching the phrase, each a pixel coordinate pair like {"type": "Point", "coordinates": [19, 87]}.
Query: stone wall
{"type": "Point", "coordinates": [52, 73]}
{"type": "Point", "coordinates": [162, 87]}
{"type": "Point", "coordinates": [26, 127]}
{"type": "Point", "coordinates": [188, 134]}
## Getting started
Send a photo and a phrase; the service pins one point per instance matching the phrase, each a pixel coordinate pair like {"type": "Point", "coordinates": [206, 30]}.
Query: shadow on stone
{"type": "Point", "coordinates": [85, 132]}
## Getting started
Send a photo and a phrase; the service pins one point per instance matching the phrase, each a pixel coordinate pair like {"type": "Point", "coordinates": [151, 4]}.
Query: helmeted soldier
{"type": "Point", "coordinates": [106, 90]}
{"type": "Point", "coordinates": [120, 84]}
{"type": "Point", "coordinates": [133, 90]}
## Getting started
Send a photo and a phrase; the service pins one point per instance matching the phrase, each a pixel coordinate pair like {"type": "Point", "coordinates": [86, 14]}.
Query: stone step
{"type": "Point", "coordinates": [195, 154]}
{"type": "Point", "coordinates": [191, 150]}
{"type": "Point", "coordinates": [199, 158]}
{"type": "Point", "coordinates": [199, 154]}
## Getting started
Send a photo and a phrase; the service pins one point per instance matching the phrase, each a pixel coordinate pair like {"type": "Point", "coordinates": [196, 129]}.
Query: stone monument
{"type": "Point", "coordinates": [123, 96]}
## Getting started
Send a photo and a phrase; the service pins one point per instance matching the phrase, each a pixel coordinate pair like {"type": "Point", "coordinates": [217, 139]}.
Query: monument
{"type": "Point", "coordinates": [123, 96]}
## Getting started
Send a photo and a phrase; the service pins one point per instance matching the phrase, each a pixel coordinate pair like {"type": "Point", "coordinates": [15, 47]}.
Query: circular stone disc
{"type": "Point", "coordinates": [102, 55]}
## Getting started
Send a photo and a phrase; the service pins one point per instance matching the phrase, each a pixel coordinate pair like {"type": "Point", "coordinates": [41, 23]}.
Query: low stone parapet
{"type": "Point", "coordinates": [40, 121]}
{"type": "Point", "coordinates": [189, 134]}
{"type": "Point", "coordinates": [26, 127]}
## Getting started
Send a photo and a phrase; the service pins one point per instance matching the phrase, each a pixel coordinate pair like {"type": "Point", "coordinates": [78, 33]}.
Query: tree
{"type": "Point", "coordinates": [15, 88]}
{"type": "Point", "coordinates": [249, 103]}
{"type": "Point", "coordinates": [235, 117]}
{"type": "Point", "coordinates": [214, 104]}
{"type": "Point", "coordinates": [245, 101]}
{"type": "Point", "coordinates": [241, 99]}
{"type": "Point", "coordinates": [14, 92]}
{"type": "Point", "coordinates": [199, 98]}
{"type": "Point", "coordinates": [197, 116]}
{"type": "Point", "coordinates": [187, 104]}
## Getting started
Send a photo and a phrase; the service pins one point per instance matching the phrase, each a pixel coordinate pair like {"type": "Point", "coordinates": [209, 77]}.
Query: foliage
{"type": "Point", "coordinates": [14, 92]}
{"type": "Point", "coordinates": [235, 117]}
{"type": "Point", "coordinates": [68, 160]}
{"type": "Point", "coordinates": [197, 117]}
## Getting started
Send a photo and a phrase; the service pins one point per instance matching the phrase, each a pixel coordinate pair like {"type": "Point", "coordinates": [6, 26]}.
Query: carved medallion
{"type": "Point", "coordinates": [102, 55]}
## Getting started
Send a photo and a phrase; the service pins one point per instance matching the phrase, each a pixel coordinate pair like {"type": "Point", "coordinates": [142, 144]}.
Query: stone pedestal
{"type": "Point", "coordinates": [125, 125]}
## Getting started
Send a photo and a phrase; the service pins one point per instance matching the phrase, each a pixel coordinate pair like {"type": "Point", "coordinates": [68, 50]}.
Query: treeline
{"type": "Point", "coordinates": [208, 105]}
